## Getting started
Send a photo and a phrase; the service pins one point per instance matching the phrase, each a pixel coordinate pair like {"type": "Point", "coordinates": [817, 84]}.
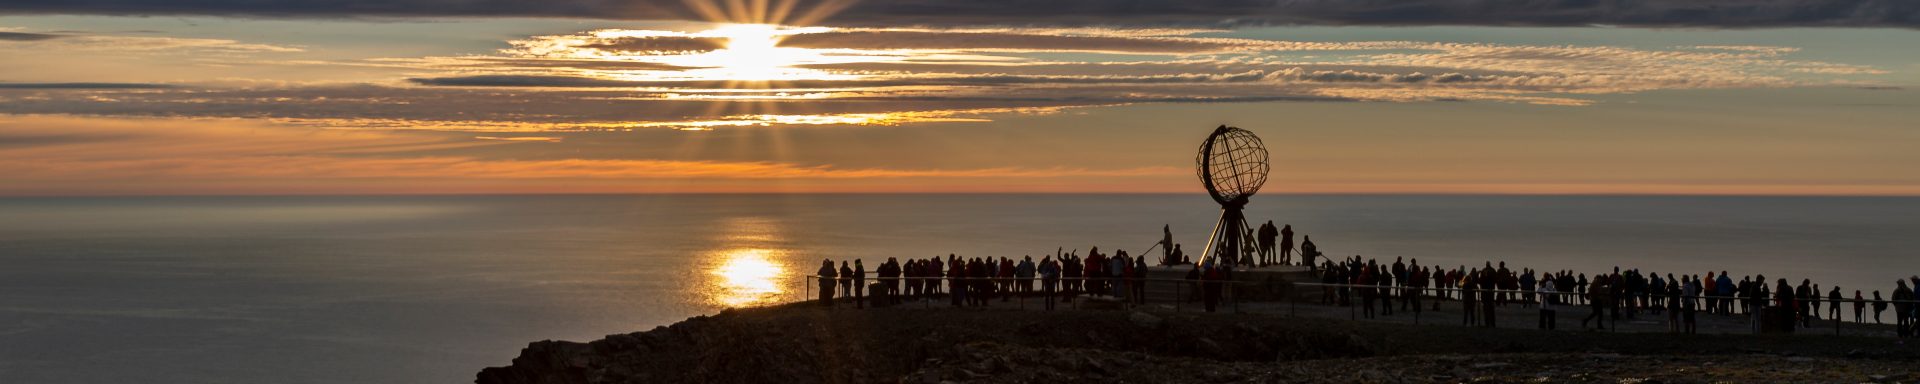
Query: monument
{"type": "Point", "coordinates": [1233, 165]}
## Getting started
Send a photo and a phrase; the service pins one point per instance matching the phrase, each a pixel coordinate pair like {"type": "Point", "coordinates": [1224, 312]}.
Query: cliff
{"type": "Point", "coordinates": [805, 344]}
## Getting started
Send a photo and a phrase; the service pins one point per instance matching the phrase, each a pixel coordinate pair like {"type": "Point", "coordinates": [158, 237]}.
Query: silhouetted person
{"type": "Point", "coordinates": [859, 284]}
{"type": "Point", "coordinates": [1598, 295]}
{"type": "Point", "coordinates": [1468, 313]}
{"type": "Point", "coordinates": [1833, 299]}
{"type": "Point", "coordinates": [1211, 280]}
{"type": "Point", "coordinates": [846, 279]}
{"type": "Point", "coordinates": [1901, 295]}
{"type": "Point", "coordinates": [1783, 298]}
{"type": "Point", "coordinates": [1547, 315]}
{"type": "Point", "coordinates": [957, 281]}
{"type": "Point", "coordinates": [1367, 292]}
{"type": "Point", "coordinates": [1139, 283]}
{"type": "Point", "coordinates": [1179, 257]}
{"type": "Point", "coordinates": [1264, 238]}
{"type": "Point", "coordinates": [1859, 306]}
{"type": "Point", "coordinates": [827, 275]}
{"type": "Point", "coordinates": [1688, 306]}
{"type": "Point", "coordinates": [1802, 306]}
{"type": "Point", "coordinates": [1193, 284]}
{"type": "Point", "coordinates": [1049, 271]}
{"type": "Point", "coordinates": [1879, 305]}
{"type": "Point", "coordinates": [1286, 243]}
{"type": "Point", "coordinates": [1308, 252]}
{"type": "Point", "coordinates": [1025, 270]}
{"type": "Point", "coordinates": [1167, 257]}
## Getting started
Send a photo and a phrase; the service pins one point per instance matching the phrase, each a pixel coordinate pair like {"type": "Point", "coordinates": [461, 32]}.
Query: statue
{"type": "Point", "coordinates": [1233, 165]}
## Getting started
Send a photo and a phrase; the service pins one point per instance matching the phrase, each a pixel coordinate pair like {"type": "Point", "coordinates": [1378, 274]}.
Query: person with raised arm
{"type": "Point", "coordinates": [1049, 279]}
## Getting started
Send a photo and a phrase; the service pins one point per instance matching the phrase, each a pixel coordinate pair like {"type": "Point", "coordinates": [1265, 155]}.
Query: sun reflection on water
{"type": "Point", "coordinates": [747, 277]}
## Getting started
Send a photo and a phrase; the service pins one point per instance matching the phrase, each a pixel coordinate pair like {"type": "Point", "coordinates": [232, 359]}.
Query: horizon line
{"type": "Point", "coordinates": [948, 193]}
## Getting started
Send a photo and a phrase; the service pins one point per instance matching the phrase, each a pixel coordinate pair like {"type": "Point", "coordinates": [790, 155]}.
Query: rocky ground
{"type": "Point", "coordinates": [806, 344]}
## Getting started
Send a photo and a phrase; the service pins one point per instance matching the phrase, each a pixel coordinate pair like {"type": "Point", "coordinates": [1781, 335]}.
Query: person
{"type": "Point", "coordinates": [1783, 298]}
{"type": "Point", "coordinates": [1547, 315]}
{"type": "Point", "coordinates": [1385, 282]}
{"type": "Point", "coordinates": [1902, 294]}
{"type": "Point", "coordinates": [934, 275]}
{"type": "Point", "coordinates": [1211, 279]}
{"type": "Point", "coordinates": [911, 273]}
{"type": "Point", "coordinates": [1072, 273]}
{"type": "Point", "coordinates": [1467, 297]}
{"type": "Point", "coordinates": [1179, 257]}
{"type": "Point", "coordinates": [1166, 246]}
{"type": "Point", "coordinates": [1007, 278]}
{"type": "Point", "coordinates": [1117, 268]}
{"type": "Point", "coordinates": [846, 279]}
{"type": "Point", "coordinates": [827, 275]}
{"type": "Point", "coordinates": [1308, 252]}
{"type": "Point", "coordinates": [1286, 243]}
{"type": "Point", "coordinates": [1688, 306]}
{"type": "Point", "coordinates": [1049, 278]}
{"type": "Point", "coordinates": [890, 275]}
{"type": "Point", "coordinates": [1139, 282]}
{"type": "Point", "coordinates": [1879, 305]}
{"type": "Point", "coordinates": [1859, 306]}
{"type": "Point", "coordinates": [1833, 300]}
{"type": "Point", "coordinates": [1367, 293]}
{"type": "Point", "coordinates": [1802, 300]}
{"type": "Point", "coordinates": [859, 284]}
{"type": "Point", "coordinates": [1264, 239]}
{"type": "Point", "coordinates": [1400, 282]}
{"type": "Point", "coordinates": [1670, 301]}
{"type": "Point", "coordinates": [1193, 283]}
{"type": "Point", "coordinates": [1025, 271]}
{"type": "Point", "coordinates": [1597, 297]}
{"type": "Point", "coordinates": [1489, 286]}
{"type": "Point", "coordinates": [956, 280]}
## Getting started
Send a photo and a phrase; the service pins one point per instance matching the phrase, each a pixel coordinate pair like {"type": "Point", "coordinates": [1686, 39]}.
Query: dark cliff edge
{"type": "Point", "coordinates": [806, 344]}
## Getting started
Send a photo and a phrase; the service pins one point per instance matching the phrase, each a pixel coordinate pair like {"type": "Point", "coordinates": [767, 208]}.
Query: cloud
{"type": "Point", "coordinates": [6, 85]}
{"type": "Point", "coordinates": [108, 156]}
{"type": "Point", "coordinates": [1011, 41]}
{"type": "Point", "coordinates": [658, 45]}
{"type": "Point", "coordinates": [1651, 13]}
{"type": "Point", "coordinates": [27, 36]}
{"type": "Point", "coordinates": [117, 43]}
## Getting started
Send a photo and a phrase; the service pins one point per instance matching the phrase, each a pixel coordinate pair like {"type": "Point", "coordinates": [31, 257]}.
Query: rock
{"type": "Point", "coordinates": [1145, 320]}
{"type": "Point", "coordinates": [1211, 348]}
{"type": "Point", "coordinates": [1490, 365]}
{"type": "Point", "coordinates": [1095, 366]}
{"type": "Point", "coordinates": [971, 374]}
{"type": "Point", "coordinates": [1888, 378]}
{"type": "Point", "coordinates": [1372, 376]}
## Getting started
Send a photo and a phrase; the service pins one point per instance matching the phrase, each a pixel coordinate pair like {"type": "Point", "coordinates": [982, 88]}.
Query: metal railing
{"type": "Point", "coordinates": [1233, 292]}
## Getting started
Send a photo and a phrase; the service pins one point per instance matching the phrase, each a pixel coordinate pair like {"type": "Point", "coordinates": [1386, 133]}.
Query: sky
{"type": "Point", "coordinates": [232, 97]}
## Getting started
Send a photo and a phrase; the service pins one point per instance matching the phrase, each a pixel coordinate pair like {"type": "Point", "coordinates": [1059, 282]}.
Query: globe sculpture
{"type": "Point", "coordinates": [1232, 165]}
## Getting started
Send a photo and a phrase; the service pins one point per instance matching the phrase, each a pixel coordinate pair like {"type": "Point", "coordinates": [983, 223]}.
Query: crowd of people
{"type": "Point", "coordinates": [1378, 288]}
{"type": "Point", "coordinates": [979, 281]}
{"type": "Point", "coordinates": [1609, 297]}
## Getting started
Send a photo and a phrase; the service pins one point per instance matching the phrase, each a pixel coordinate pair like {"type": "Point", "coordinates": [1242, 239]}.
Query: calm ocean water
{"type": "Point", "coordinates": [430, 289]}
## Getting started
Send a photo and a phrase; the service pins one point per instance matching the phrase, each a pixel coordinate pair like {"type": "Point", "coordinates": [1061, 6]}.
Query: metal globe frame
{"type": "Point", "coordinates": [1232, 164]}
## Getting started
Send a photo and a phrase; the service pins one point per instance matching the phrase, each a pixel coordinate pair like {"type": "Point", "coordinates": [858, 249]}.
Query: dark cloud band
{"type": "Point", "coordinates": [1695, 13]}
{"type": "Point", "coordinates": [24, 36]}
{"type": "Point", "coordinates": [84, 86]}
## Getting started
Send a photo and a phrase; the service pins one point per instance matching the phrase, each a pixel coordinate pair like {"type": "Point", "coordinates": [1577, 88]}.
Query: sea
{"type": "Point", "coordinates": [430, 289]}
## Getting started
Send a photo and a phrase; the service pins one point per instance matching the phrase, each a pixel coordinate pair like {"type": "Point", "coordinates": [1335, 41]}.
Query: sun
{"type": "Point", "coordinates": [753, 53]}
